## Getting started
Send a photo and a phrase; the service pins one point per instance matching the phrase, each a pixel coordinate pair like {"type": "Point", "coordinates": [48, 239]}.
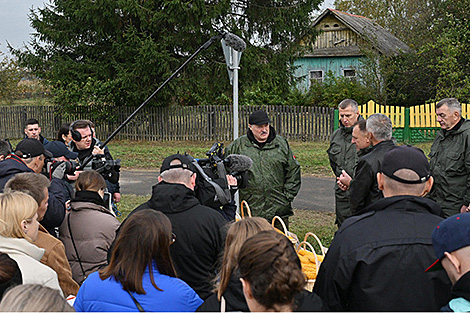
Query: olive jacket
{"type": "Point", "coordinates": [450, 167]}
{"type": "Point", "coordinates": [274, 178]}
{"type": "Point", "coordinates": [343, 156]}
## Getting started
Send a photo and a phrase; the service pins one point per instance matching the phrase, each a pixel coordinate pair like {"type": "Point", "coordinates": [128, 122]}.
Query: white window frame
{"type": "Point", "coordinates": [350, 69]}
{"type": "Point", "coordinates": [320, 79]}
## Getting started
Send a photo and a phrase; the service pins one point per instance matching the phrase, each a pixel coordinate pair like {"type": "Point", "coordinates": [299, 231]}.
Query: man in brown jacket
{"type": "Point", "coordinates": [54, 256]}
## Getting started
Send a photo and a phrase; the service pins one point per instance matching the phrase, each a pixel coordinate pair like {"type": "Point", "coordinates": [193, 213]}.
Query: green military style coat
{"type": "Point", "coordinates": [274, 178]}
{"type": "Point", "coordinates": [450, 167]}
{"type": "Point", "coordinates": [343, 156]}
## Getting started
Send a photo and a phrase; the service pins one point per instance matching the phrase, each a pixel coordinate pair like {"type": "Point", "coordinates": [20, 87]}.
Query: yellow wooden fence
{"type": "Point", "coordinates": [420, 116]}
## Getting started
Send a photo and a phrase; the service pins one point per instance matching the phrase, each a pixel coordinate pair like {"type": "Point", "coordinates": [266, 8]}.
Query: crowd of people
{"type": "Point", "coordinates": [396, 214]}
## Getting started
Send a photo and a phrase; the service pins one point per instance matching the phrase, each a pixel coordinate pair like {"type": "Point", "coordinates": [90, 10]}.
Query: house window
{"type": "Point", "coordinates": [316, 75]}
{"type": "Point", "coordinates": [349, 73]}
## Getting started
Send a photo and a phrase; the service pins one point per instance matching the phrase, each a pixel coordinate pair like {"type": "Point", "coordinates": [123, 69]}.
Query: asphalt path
{"type": "Point", "coordinates": [316, 193]}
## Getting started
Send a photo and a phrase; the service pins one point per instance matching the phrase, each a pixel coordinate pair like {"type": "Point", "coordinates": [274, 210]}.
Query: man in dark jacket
{"type": "Point", "coordinates": [85, 144]}
{"type": "Point", "coordinates": [377, 260]}
{"type": "Point", "coordinates": [343, 155]}
{"type": "Point", "coordinates": [451, 241]}
{"type": "Point", "coordinates": [363, 189]}
{"type": "Point", "coordinates": [198, 228]}
{"type": "Point", "coordinates": [29, 157]}
{"type": "Point", "coordinates": [450, 159]}
{"type": "Point", "coordinates": [274, 177]}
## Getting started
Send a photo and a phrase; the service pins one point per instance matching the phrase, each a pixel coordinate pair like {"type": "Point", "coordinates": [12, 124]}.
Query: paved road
{"type": "Point", "coordinates": [315, 194]}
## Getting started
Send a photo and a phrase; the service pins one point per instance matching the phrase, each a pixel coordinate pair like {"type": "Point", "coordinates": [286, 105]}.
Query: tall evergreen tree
{"type": "Point", "coordinates": [116, 52]}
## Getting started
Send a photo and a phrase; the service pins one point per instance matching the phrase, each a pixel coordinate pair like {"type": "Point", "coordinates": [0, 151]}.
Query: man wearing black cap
{"type": "Point", "coordinates": [198, 228]}
{"type": "Point", "coordinates": [60, 152]}
{"type": "Point", "coordinates": [377, 260]}
{"type": "Point", "coordinates": [274, 178]}
{"type": "Point", "coordinates": [451, 241]}
{"type": "Point", "coordinates": [29, 156]}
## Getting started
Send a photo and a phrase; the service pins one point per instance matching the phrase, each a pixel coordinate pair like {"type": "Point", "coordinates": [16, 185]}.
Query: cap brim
{"type": "Point", "coordinates": [47, 153]}
{"type": "Point", "coordinates": [262, 122]}
{"type": "Point", "coordinates": [72, 155]}
{"type": "Point", "coordinates": [436, 266]}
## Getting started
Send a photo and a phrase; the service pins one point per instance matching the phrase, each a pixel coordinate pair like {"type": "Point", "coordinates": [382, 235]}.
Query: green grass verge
{"type": "Point", "coordinates": [303, 221]}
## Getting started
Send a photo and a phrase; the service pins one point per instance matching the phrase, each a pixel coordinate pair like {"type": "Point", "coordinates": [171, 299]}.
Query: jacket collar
{"type": "Point", "coordinates": [462, 287]}
{"type": "Point", "coordinates": [88, 196]}
{"type": "Point", "coordinates": [172, 198]}
{"type": "Point", "coordinates": [271, 137]}
{"type": "Point", "coordinates": [403, 203]}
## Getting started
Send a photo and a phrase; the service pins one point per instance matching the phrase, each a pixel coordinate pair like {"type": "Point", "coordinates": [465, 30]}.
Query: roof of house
{"type": "Point", "coordinates": [380, 38]}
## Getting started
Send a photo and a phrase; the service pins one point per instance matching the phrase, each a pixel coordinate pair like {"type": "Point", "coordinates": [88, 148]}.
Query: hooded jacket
{"type": "Point", "coordinates": [199, 231]}
{"type": "Point", "coordinates": [235, 300]}
{"type": "Point", "coordinates": [27, 256]}
{"type": "Point", "coordinates": [364, 188]}
{"type": "Point", "coordinates": [377, 260]}
{"type": "Point", "coordinates": [274, 178]}
{"type": "Point", "coordinates": [56, 204]}
{"type": "Point", "coordinates": [93, 228]}
{"type": "Point", "coordinates": [450, 167]}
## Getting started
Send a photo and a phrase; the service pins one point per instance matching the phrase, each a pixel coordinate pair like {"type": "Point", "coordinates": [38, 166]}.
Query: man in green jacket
{"type": "Point", "coordinates": [274, 178]}
{"type": "Point", "coordinates": [450, 158]}
{"type": "Point", "coordinates": [343, 154]}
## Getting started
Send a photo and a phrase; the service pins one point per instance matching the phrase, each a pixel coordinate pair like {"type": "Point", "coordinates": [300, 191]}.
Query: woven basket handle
{"type": "Point", "coordinates": [282, 223]}
{"type": "Point", "coordinates": [322, 248]}
{"type": "Point", "coordinates": [307, 244]}
{"type": "Point", "coordinates": [248, 211]}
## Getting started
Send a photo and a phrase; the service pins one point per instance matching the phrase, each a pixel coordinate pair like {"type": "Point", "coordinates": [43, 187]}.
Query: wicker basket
{"type": "Point", "coordinates": [243, 205]}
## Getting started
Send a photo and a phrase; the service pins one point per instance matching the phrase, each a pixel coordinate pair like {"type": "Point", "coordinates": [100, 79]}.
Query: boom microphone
{"type": "Point", "coordinates": [238, 163]}
{"type": "Point", "coordinates": [234, 42]}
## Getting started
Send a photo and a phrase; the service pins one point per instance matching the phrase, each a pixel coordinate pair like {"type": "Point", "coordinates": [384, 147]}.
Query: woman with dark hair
{"type": "Point", "coordinates": [89, 227]}
{"type": "Point", "coordinates": [271, 273]}
{"type": "Point", "coordinates": [229, 291]}
{"type": "Point", "coordinates": [64, 135]}
{"type": "Point", "coordinates": [140, 275]}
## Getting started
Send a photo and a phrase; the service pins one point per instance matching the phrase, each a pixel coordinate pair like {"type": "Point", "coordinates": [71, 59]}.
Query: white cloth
{"type": "Point", "coordinates": [27, 256]}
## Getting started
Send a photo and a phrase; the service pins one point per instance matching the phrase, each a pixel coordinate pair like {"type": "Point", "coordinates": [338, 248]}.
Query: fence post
{"type": "Point", "coordinates": [406, 129]}
{"type": "Point", "coordinates": [336, 119]}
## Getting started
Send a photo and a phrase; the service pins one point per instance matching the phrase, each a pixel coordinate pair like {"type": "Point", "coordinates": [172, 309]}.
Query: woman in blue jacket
{"type": "Point", "coordinates": [140, 275]}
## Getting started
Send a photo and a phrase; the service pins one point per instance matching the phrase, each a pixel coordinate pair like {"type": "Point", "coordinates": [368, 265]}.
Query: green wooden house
{"type": "Point", "coordinates": [340, 45]}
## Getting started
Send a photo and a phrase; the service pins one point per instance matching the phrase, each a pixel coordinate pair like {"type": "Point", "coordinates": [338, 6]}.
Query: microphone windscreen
{"type": "Point", "coordinates": [234, 42]}
{"type": "Point", "coordinates": [238, 163]}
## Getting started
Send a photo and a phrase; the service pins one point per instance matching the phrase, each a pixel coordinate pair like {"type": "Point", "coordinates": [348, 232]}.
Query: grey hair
{"type": "Point", "coordinates": [380, 126]}
{"type": "Point", "coordinates": [348, 103]}
{"type": "Point", "coordinates": [452, 103]}
{"type": "Point", "coordinates": [34, 298]}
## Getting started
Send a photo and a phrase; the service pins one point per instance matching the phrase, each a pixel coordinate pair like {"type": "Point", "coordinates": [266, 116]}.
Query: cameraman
{"type": "Point", "coordinates": [29, 156]}
{"type": "Point", "coordinates": [85, 145]}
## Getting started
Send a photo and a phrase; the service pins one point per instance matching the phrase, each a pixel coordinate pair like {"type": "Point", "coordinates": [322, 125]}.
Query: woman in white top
{"type": "Point", "coordinates": [18, 229]}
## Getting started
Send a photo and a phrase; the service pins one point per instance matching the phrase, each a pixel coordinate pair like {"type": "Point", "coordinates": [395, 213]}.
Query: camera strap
{"type": "Point", "coordinates": [223, 196]}
{"type": "Point", "coordinates": [75, 247]}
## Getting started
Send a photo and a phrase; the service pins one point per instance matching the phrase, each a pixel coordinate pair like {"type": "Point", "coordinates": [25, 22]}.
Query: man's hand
{"type": "Point", "coordinates": [97, 150]}
{"type": "Point", "coordinates": [116, 197]}
{"type": "Point", "coordinates": [464, 209]}
{"type": "Point", "coordinates": [74, 176]}
{"type": "Point", "coordinates": [343, 181]}
{"type": "Point", "coordinates": [231, 181]}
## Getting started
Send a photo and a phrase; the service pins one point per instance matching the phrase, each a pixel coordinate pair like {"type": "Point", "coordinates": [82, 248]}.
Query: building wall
{"type": "Point", "coordinates": [336, 65]}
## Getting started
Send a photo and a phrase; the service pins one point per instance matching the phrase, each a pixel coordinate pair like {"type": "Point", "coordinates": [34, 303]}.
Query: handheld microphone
{"type": "Point", "coordinates": [238, 163]}
{"type": "Point", "coordinates": [234, 42]}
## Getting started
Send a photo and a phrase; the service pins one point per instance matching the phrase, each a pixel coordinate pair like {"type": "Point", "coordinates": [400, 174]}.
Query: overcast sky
{"type": "Point", "coordinates": [15, 27]}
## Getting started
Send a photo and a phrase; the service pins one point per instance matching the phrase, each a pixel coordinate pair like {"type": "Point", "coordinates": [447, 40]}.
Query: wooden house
{"type": "Point", "coordinates": [340, 44]}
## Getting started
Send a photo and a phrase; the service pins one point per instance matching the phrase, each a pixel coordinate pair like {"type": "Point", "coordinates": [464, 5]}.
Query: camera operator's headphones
{"type": "Point", "coordinates": [75, 133]}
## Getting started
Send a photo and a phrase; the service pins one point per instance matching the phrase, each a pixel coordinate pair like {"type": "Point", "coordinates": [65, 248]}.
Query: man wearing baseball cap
{"type": "Point", "coordinates": [274, 177]}
{"type": "Point", "coordinates": [29, 156]}
{"type": "Point", "coordinates": [377, 260]}
{"type": "Point", "coordinates": [451, 241]}
{"type": "Point", "coordinates": [199, 229]}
